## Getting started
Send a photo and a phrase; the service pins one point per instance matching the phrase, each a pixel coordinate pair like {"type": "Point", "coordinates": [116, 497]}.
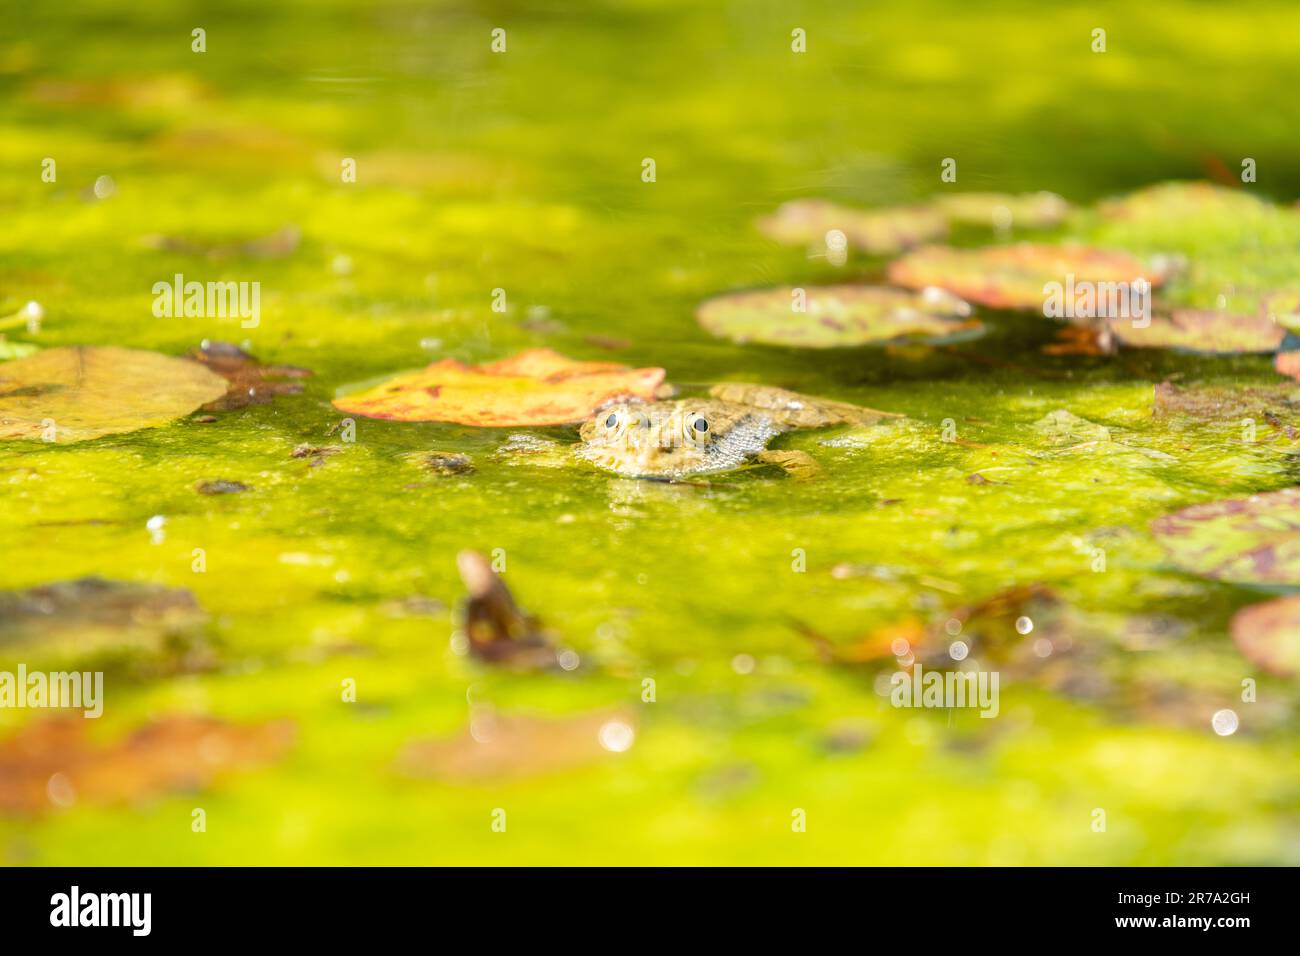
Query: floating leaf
{"type": "Point", "coordinates": [874, 231]}
{"type": "Point", "coordinates": [93, 612]}
{"type": "Point", "coordinates": [1268, 635]}
{"type": "Point", "coordinates": [536, 387]}
{"type": "Point", "coordinates": [84, 392]}
{"type": "Point", "coordinates": [836, 316]}
{"type": "Point", "coordinates": [1014, 276]}
{"type": "Point", "coordinates": [496, 747]}
{"type": "Point", "coordinates": [1003, 210]}
{"type": "Point", "coordinates": [55, 762]}
{"type": "Point", "coordinates": [249, 381]}
{"type": "Point", "coordinates": [1253, 540]}
{"type": "Point", "coordinates": [1210, 331]}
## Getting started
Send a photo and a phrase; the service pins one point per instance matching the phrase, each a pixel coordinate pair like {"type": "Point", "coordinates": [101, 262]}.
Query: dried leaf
{"type": "Point", "coordinates": [1014, 276]}
{"type": "Point", "coordinates": [55, 762]}
{"type": "Point", "coordinates": [836, 316]}
{"type": "Point", "coordinates": [511, 747]}
{"type": "Point", "coordinates": [249, 382]}
{"type": "Point", "coordinates": [536, 387]}
{"type": "Point", "coordinates": [84, 392]}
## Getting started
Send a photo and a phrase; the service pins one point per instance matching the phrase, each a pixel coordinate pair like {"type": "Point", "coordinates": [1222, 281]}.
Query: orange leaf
{"type": "Point", "coordinates": [536, 387]}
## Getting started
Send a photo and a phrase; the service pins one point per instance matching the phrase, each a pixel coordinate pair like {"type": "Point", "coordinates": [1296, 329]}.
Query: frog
{"type": "Point", "coordinates": [727, 429]}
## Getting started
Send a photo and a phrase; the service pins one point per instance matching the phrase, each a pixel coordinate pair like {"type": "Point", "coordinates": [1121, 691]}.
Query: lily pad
{"type": "Point", "coordinates": [1040, 210]}
{"type": "Point", "coordinates": [1210, 331]}
{"type": "Point", "coordinates": [83, 392]}
{"type": "Point", "coordinates": [57, 762]}
{"type": "Point", "coordinates": [1015, 276]}
{"type": "Point", "coordinates": [1253, 540]}
{"type": "Point", "coordinates": [875, 231]}
{"type": "Point", "coordinates": [836, 316]}
{"type": "Point", "coordinates": [536, 387]}
{"type": "Point", "coordinates": [1268, 635]}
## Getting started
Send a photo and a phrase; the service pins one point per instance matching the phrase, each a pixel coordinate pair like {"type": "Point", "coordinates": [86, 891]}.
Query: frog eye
{"type": "Point", "coordinates": [696, 426]}
{"type": "Point", "coordinates": [612, 421]}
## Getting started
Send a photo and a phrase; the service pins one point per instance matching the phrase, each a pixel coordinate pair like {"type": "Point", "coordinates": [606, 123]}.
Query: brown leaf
{"type": "Point", "coordinates": [535, 387]}
{"type": "Point", "coordinates": [57, 763]}
{"type": "Point", "coordinates": [249, 381]}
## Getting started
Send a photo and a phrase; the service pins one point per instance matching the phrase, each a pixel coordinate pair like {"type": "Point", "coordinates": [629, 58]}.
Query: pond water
{"type": "Point", "coordinates": [522, 171]}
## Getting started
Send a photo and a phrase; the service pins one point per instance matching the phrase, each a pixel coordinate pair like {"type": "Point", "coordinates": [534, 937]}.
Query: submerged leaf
{"type": "Point", "coordinates": [1062, 427]}
{"type": "Point", "coordinates": [1015, 276]}
{"type": "Point", "coordinates": [536, 387]}
{"type": "Point", "coordinates": [496, 747]}
{"type": "Point", "coordinates": [875, 231]}
{"type": "Point", "coordinates": [835, 316]}
{"type": "Point", "coordinates": [55, 762]}
{"type": "Point", "coordinates": [1211, 331]}
{"type": "Point", "coordinates": [249, 381]}
{"type": "Point", "coordinates": [92, 612]}
{"type": "Point", "coordinates": [1253, 540]}
{"type": "Point", "coordinates": [1268, 635]}
{"type": "Point", "coordinates": [277, 245]}
{"type": "Point", "coordinates": [83, 392]}
{"type": "Point", "coordinates": [796, 410]}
